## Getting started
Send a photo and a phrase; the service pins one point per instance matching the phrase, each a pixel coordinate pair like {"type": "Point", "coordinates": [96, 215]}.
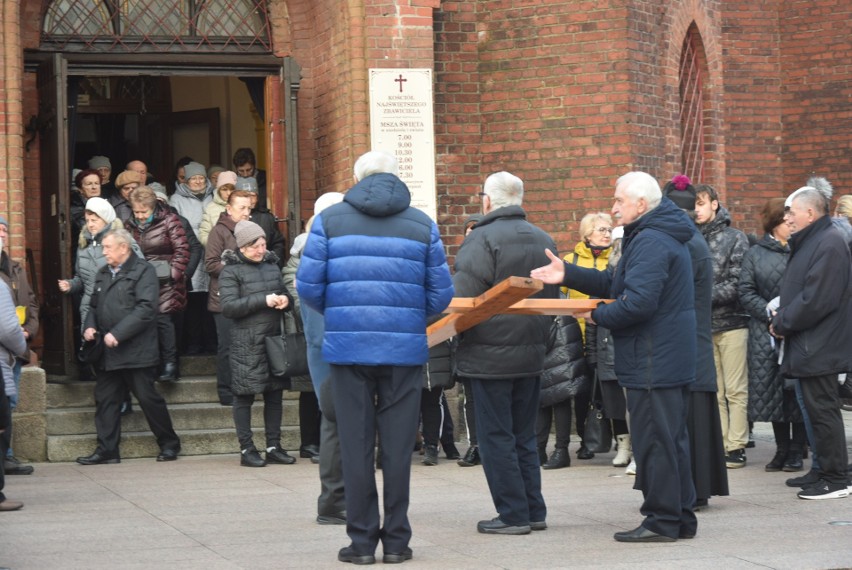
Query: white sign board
{"type": "Point", "coordinates": [402, 123]}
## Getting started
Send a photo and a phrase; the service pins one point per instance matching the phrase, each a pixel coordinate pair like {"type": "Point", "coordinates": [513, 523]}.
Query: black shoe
{"type": "Point", "coordinates": [170, 373]}
{"type": "Point", "coordinates": [278, 455]}
{"type": "Point", "coordinates": [308, 451]}
{"type": "Point", "coordinates": [451, 451]}
{"type": "Point", "coordinates": [391, 558]}
{"type": "Point", "coordinates": [11, 466]}
{"type": "Point", "coordinates": [431, 455]}
{"type": "Point", "coordinates": [251, 458]}
{"type": "Point", "coordinates": [824, 490]}
{"type": "Point", "coordinates": [584, 453]}
{"type": "Point", "coordinates": [333, 518]}
{"type": "Point", "coordinates": [735, 459]}
{"type": "Point", "coordinates": [168, 455]}
{"type": "Point", "coordinates": [496, 526]}
{"type": "Point", "coordinates": [559, 459]}
{"type": "Point", "coordinates": [641, 534]}
{"type": "Point", "coordinates": [315, 459]}
{"type": "Point", "coordinates": [470, 458]}
{"type": "Point", "coordinates": [686, 534]}
{"type": "Point", "coordinates": [777, 461]}
{"type": "Point", "coordinates": [348, 554]}
{"type": "Point", "coordinates": [538, 525]}
{"type": "Point", "coordinates": [97, 459]}
{"type": "Point", "coordinates": [794, 462]}
{"type": "Point", "coordinates": [806, 480]}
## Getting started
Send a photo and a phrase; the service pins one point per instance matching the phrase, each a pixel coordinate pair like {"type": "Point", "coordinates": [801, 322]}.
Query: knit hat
{"type": "Point", "coordinates": [194, 169]}
{"type": "Point", "coordinates": [248, 184]}
{"type": "Point", "coordinates": [226, 177]}
{"type": "Point", "coordinates": [159, 191]}
{"type": "Point", "coordinates": [680, 191]}
{"type": "Point", "coordinates": [247, 232]}
{"type": "Point", "coordinates": [213, 169]}
{"type": "Point", "coordinates": [326, 200]}
{"type": "Point", "coordinates": [102, 208]}
{"type": "Point", "coordinates": [3, 222]}
{"type": "Point", "coordinates": [99, 161]}
{"type": "Point", "coordinates": [127, 177]}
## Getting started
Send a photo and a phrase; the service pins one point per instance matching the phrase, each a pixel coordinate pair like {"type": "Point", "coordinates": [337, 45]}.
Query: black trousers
{"type": "Point", "coordinates": [822, 401]}
{"type": "Point", "coordinates": [309, 419]}
{"type": "Point", "coordinates": [432, 413]}
{"type": "Point", "coordinates": [166, 338]}
{"type": "Point", "coordinates": [367, 398]}
{"type": "Point", "coordinates": [658, 430]}
{"type": "Point", "coordinates": [448, 430]}
{"type": "Point", "coordinates": [110, 390]}
{"type": "Point", "coordinates": [506, 411]}
{"type": "Point", "coordinates": [223, 357]}
{"type": "Point", "coordinates": [273, 409]}
{"type": "Point", "coordinates": [559, 413]}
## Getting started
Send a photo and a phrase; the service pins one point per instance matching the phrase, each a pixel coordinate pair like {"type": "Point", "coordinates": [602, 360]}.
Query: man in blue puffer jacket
{"type": "Point", "coordinates": [654, 329]}
{"type": "Point", "coordinates": [375, 267]}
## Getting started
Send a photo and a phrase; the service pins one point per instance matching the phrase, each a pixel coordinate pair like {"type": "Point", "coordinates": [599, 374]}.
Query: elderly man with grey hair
{"type": "Point", "coordinates": [503, 357]}
{"type": "Point", "coordinates": [375, 268]}
{"type": "Point", "coordinates": [654, 330]}
{"type": "Point", "coordinates": [814, 318]}
{"type": "Point", "coordinates": [123, 312]}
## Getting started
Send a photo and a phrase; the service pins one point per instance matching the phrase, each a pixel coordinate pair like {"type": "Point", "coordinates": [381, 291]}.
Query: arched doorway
{"type": "Point", "coordinates": [153, 80]}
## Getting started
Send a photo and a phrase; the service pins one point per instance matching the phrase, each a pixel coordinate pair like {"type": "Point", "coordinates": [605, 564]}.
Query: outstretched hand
{"type": "Point", "coordinates": [553, 273]}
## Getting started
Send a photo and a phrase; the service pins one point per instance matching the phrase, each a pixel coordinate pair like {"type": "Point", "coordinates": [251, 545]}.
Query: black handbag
{"type": "Point", "coordinates": [92, 351]}
{"type": "Point", "coordinates": [287, 353]}
{"type": "Point", "coordinates": [598, 429]}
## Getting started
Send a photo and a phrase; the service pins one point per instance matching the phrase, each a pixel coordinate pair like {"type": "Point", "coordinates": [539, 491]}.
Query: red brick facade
{"type": "Point", "coordinates": [567, 95]}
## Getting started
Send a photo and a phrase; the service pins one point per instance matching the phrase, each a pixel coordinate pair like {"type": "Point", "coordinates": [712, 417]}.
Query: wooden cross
{"type": "Point", "coordinates": [509, 297]}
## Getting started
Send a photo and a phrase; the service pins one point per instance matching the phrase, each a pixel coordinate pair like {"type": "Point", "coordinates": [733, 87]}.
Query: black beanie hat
{"type": "Point", "coordinates": [680, 191]}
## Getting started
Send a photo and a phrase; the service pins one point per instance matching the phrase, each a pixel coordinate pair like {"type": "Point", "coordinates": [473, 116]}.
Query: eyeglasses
{"type": "Point", "coordinates": [604, 230]}
{"type": "Point", "coordinates": [481, 194]}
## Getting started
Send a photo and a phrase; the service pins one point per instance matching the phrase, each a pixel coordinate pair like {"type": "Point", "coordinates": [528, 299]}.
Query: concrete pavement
{"type": "Point", "coordinates": [208, 512]}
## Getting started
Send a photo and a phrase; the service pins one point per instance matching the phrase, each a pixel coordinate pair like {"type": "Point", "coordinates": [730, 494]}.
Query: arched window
{"type": "Point", "coordinates": [157, 25]}
{"type": "Point", "coordinates": [693, 122]}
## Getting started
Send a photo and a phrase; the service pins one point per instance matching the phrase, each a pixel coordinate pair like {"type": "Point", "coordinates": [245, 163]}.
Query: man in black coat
{"type": "Point", "coordinates": [503, 357]}
{"type": "Point", "coordinates": [123, 312]}
{"type": "Point", "coordinates": [815, 319]}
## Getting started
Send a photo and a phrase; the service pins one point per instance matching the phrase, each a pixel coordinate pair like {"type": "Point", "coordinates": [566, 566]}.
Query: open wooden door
{"type": "Point", "coordinates": [56, 309]}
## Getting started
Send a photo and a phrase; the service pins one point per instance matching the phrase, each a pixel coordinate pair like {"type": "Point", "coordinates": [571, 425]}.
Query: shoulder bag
{"type": "Point", "coordinates": [598, 429]}
{"type": "Point", "coordinates": [287, 354]}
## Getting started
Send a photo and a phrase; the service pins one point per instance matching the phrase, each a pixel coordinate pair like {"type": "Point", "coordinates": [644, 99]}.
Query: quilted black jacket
{"type": "Point", "coordinates": [728, 246]}
{"type": "Point", "coordinates": [760, 281]}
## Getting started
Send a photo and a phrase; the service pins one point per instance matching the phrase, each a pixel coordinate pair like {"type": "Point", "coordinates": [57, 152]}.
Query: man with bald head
{"type": "Point", "coordinates": [140, 168]}
{"type": "Point", "coordinates": [814, 318]}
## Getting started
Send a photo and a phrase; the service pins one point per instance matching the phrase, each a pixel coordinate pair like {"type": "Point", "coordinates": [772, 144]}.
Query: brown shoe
{"type": "Point", "coordinates": [8, 505]}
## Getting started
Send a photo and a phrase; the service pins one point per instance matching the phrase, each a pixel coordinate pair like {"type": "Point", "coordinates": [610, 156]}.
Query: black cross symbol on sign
{"type": "Point", "coordinates": [400, 80]}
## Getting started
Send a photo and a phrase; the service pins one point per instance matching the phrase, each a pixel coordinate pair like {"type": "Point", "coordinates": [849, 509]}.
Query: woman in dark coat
{"type": "Point", "coordinates": [252, 295]}
{"type": "Point", "coordinates": [769, 400]}
{"type": "Point", "coordinates": [162, 239]}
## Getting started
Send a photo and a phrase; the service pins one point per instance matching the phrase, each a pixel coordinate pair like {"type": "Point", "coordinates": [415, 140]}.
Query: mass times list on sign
{"type": "Point", "coordinates": [402, 123]}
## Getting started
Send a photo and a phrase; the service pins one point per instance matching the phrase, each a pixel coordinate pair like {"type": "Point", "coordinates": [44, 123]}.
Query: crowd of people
{"type": "Point", "coordinates": [706, 330]}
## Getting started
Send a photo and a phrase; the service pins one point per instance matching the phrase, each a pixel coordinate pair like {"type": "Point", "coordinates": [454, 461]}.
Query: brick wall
{"type": "Point", "coordinates": [816, 78]}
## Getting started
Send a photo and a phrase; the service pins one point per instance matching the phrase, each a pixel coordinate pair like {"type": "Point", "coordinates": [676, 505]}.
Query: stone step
{"type": "Point", "coordinates": [137, 444]}
{"type": "Point", "coordinates": [80, 421]}
{"type": "Point", "coordinates": [188, 390]}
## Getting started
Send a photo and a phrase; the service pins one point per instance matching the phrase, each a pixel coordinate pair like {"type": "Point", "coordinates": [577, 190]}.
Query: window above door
{"type": "Point", "coordinates": [108, 26]}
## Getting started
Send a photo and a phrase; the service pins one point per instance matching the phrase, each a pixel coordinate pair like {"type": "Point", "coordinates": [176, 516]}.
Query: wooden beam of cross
{"type": "Point", "coordinates": [507, 297]}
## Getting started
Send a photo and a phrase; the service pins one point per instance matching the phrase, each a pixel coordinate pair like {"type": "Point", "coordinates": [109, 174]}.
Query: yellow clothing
{"type": "Point", "coordinates": [582, 257]}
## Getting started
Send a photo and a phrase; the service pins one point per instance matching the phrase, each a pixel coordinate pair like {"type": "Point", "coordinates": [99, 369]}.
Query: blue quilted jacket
{"type": "Point", "coordinates": [376, 269]}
